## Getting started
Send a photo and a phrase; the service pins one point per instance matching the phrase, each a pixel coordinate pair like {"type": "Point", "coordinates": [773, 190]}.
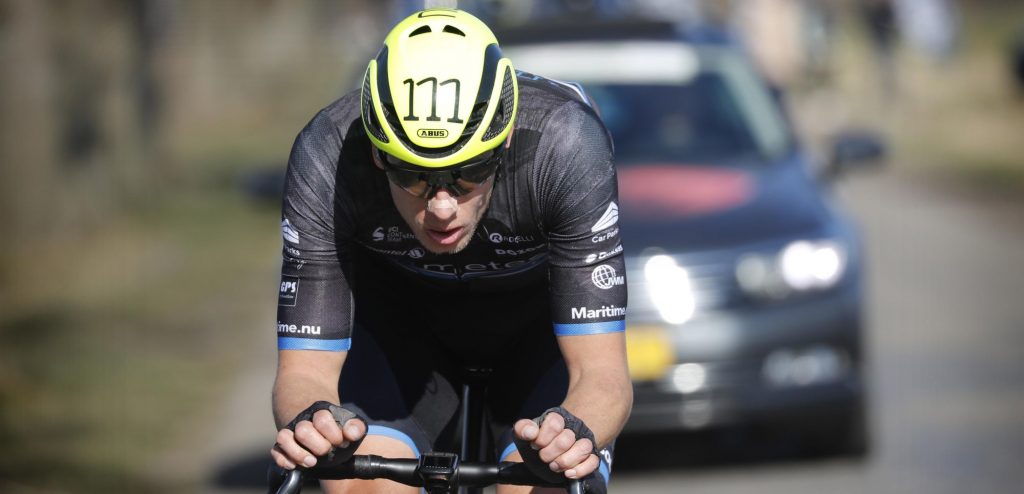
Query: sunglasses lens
{"type": "Point", "coordinates": [478, 173]}
{"type": "Point", "coordinates": [403, 178]}
{"type": "Point", "coordinates": [458, 181]}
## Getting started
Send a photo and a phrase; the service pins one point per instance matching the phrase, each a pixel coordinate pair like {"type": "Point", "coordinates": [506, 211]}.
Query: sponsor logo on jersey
{"type": "Point", "coordinates": [497, 238]}
{"type": "Point", "coordinates": [604, 311]}
{"type": "Point", "coordinates": [602, 255]}
{"type": "Point", "coordinates": [283, 328]}
{"type": "Point", "coordinates": [601, 237]}
{"type": "Point", "coordinates": [416, 253]}
{"type": "Point", "coordinates": [491, 266]}
{"type": "Point", "coordinates": [605, 277]}
{"type": "Point", "coordinates": [517, 252]}
{"type": "Point", "coordinates": [289, 233]}
{"type": "Point", "coordinates": [607, 455]}
{"type": "Point", "coordinates": [608, 219]}
{"type": "Point", "coordinates": [289, 291]}
{"type": "Point", "coordinates": [432, 133]}
{"type": "Point", "coordinates": [395, 234]}
{"type": "Point", "coordinates": [293, 251]}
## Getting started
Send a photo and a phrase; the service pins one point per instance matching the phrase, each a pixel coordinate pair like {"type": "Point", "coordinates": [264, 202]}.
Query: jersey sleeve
{"type": "Point", "coordinates": [579, 199]}
{"type": "Point", "coordinates": [314, 309]}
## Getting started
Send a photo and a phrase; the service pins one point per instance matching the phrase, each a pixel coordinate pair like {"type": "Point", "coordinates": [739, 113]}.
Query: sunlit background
{"type": "Point", "coordinates": [140, 148]}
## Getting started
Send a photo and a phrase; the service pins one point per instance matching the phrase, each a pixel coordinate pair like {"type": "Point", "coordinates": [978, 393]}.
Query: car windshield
{"type": "Point", "coordinates": [669, 102]}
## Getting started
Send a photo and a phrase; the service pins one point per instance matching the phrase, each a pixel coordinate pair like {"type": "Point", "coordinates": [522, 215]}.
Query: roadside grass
{"type": "Point", "coordinates": [962, 118]}
{"type": "Point", "coordinates": [112, 347]}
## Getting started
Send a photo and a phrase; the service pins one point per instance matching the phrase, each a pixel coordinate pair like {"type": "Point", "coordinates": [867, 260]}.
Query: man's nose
{"type": "Point", "coordinates": [443, 205]}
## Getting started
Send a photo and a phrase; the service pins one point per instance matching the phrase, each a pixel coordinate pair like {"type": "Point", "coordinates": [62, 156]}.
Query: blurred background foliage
{"type": "Point", "coordinates": [135, 276]}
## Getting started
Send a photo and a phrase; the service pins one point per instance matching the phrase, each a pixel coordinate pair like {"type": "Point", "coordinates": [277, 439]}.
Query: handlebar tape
{"type": "Point", "coordinates": [336, 455]}
{"type": "Point", "coordinates": [531, 457]}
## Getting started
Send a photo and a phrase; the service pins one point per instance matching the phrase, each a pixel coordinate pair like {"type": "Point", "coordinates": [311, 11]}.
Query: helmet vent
{"type": "Point", "coordinates": [369, 117]}
{"type": "Point", "coordinates": [453, 30]}
{"type": "Point", "coordinates": [503, 113]}
{"type": "Point", "coordinates": [421, 30]}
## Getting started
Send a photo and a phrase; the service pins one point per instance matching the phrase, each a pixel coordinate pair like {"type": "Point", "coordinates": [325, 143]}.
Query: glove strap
{"type": "Point", "coordinates": [341, 415]}
{"type": "Point", "coordinates": [531, 457]}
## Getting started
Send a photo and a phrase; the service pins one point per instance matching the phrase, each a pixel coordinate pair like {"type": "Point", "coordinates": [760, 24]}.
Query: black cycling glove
{"type": "Point", "coordinates": [531, 457]}
{"type": "Point", "coordinates": [341, 415]}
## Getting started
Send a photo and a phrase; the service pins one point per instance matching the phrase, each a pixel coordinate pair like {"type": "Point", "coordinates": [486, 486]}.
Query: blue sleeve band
{"type": "Point", "coordinates": [343, 345]}
{"type": "Point", "coordinates": [589, 328]}
{"type": "Point", "coordinates": [380, 430]}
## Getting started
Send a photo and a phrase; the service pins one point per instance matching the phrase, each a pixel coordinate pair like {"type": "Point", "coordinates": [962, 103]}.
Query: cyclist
{"type": "Point", "coordinates": [446, 216]}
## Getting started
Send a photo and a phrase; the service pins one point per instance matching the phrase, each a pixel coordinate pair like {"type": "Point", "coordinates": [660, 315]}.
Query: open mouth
{"type": "Point", "coordinates": [446, 236]}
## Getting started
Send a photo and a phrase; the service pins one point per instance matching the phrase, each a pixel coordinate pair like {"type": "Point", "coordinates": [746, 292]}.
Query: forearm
{"type": "Point", "coordinates": [302, 379]}
{"type": "Point", "coordinates": [602, 398]}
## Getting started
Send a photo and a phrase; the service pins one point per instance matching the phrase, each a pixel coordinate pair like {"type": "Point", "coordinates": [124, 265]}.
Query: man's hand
{"type": "Point", "coordinates": [314, 438]}
{"type": "Point", "coordinates": [558, 446]}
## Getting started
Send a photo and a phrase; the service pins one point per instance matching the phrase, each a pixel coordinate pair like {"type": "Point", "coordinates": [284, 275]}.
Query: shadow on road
{"type": "Point", "coordinates": [717, 449]}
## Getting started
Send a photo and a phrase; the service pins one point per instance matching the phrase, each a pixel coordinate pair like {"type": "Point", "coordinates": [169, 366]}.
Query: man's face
{"type": "Point", "coordinates": [437, 224]}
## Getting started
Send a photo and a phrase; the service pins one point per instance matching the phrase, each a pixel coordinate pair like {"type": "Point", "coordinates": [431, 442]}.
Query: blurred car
{"type": "Point", "coordinates": [745, 285]}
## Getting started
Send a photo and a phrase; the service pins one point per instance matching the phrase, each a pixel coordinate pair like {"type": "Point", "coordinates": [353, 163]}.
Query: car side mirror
{"type": "Point", "coordinates": [855, 149]}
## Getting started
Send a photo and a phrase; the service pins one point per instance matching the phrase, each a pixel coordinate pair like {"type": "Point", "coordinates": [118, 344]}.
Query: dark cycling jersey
{"type": "Point", "coordinates": [551, 226]}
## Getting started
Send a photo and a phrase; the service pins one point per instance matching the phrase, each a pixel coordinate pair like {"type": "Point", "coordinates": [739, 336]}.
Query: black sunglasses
{"type": "Point", "coordinates": [458, 179]}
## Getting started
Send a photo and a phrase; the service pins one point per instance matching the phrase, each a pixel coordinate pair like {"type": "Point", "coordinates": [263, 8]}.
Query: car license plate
{"type": "Point", "coordinates": [650, 352]}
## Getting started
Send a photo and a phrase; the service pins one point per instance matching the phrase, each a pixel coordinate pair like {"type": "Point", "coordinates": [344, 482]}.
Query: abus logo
{"type": "Point", "coordinates": [605, 277]}
{"type": "Point", "coordinates": [432, 133]}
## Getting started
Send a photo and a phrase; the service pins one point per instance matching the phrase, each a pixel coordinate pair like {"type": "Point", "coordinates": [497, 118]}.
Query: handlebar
{"type": "Point", "coordinates": [436, 472]}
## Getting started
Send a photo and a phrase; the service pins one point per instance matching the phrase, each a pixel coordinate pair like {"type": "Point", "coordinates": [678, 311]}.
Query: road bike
{"type": "Point", "coordinates": [435, 472]}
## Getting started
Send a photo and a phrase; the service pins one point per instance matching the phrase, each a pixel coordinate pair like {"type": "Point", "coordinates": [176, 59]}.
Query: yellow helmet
{"type": "Point", "coordinates": [440, 91]}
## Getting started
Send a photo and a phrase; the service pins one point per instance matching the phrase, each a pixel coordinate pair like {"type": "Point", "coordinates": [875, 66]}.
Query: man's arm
{"type": "Point", "coordinates": [315, 303]}
{"type": "Point", "coordinates": [303, 378]}
{"type": "Point", "coordinates": [588, 291]}
{"type": "Point", "coordinates": [600, 390]}
{"type": "Point", "coordinates": [600, 394]}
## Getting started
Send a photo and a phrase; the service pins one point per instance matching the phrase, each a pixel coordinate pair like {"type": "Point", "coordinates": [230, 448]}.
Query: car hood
{"type": "Point", "coordinates": [687, 207]}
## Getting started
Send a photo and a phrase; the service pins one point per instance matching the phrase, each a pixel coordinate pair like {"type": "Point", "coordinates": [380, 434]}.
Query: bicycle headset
{"type": "Point", "coordinates": [437, 102]}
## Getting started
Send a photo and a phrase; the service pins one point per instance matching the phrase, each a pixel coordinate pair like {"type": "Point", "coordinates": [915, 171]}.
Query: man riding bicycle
{"type": "Point", "coordinates": [443, 218]}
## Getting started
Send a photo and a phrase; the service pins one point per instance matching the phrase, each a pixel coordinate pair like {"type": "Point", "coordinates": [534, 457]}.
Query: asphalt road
{"type": "Point", "coordinates": [946, 339]}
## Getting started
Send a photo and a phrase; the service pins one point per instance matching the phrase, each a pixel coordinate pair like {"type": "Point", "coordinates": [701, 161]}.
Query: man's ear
{"type": "Point", "coordinates": [376, 158]}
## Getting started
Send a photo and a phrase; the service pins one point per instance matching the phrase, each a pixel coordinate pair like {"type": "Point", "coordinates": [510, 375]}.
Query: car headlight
{"type": "Point", "coordinates": [808, 265]}
{"type": "Point", "coordinates": [669, 286]}
{"type": "Point", "coordinates": [800, 266]}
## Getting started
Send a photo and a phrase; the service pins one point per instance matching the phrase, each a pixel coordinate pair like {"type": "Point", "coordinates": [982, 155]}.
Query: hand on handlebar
{"type": "Point", "coordinates": [559, 447]}
{"type": "Point", "coordinates": [323, 430]}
